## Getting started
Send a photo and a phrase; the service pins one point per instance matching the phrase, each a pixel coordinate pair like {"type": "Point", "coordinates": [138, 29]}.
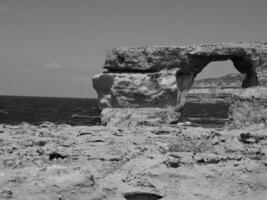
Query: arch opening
{"type": "Point", "coordinates": [223, 77]}
{"type": "Point", "coordinates": [217, 69]}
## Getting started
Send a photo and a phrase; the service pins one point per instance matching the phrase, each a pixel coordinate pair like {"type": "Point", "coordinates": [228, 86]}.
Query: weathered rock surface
{"type": "Point", "coordinates": [135, 90]}
{"type": "Point", "coordinates": [132, 117]}
{"type": "Point", "coordinates": [53, 162]}
{"type": "Point", "coordinates": [159, 89]}
{"type": "Point", "coordinates": [249, 107]}
{"type": "Point", "coordinates": [152, 69]}
{"type": "Point", "coordinates": [246, 57]}
{"type": "Point", "coordinates": [152, 58]}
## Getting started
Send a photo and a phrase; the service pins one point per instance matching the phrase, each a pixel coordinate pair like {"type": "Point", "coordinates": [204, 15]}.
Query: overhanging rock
{"type": "Point", "coordinates": [159, 89]}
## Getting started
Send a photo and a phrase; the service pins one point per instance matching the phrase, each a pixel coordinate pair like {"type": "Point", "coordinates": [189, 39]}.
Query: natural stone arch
{"type": "Point", "coordinates": [131, 71]}
{"type": "Point", "coordinates": [186, 75]}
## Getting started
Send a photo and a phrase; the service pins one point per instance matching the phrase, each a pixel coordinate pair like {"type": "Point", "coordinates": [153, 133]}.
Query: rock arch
{"type": "Point", "coordinates": [137, 75]}
{"type": "Point", "coordinates": [186, 75]}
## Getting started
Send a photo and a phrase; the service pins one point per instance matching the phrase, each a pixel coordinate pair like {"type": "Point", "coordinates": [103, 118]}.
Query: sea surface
{"type": "Point", "coordinates": [78, 111]}
{"type": "Point", "coordinates": [36, 110]}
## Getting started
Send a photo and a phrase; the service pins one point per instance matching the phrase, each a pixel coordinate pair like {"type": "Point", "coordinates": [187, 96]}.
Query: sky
{"type": "Point", "coordinates": [54, 47]}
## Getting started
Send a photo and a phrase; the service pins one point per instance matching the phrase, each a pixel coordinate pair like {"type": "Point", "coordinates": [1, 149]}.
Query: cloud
{"type": "Point", "coordinates": [53, 66]}
{"type": "Point", "coordinates": [3, 8]}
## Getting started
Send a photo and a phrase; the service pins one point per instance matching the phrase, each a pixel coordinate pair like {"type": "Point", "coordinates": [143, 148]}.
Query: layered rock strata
{"type": "Point", "coordinates": [153, 76]}
{"type": "Point", "coordinates": [137, 90]}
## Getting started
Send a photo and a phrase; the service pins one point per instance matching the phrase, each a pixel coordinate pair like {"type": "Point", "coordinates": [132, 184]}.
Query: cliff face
{"type": "Point", "coordinates": [162, 76]}
{"type": "Point", "coordinates": [134, 90]}
{"type": "Point", "coordinates": [159, 89]}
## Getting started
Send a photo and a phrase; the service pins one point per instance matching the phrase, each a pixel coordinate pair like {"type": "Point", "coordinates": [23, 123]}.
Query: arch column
{"type": "Point", "coordinates": [184, 82]}
{"type": "Point", "coordinates": [247, 68]}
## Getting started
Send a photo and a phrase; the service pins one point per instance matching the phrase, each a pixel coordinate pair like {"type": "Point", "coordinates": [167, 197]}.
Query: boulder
{"type": "Point", "coordinates": [249, 107]}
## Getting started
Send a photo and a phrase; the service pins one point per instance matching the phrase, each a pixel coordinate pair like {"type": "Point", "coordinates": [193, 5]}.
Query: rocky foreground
{"type": "Point", "coordinates": [145, 162]}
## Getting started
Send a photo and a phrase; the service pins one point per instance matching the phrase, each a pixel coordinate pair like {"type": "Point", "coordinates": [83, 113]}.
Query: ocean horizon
{"type": "Point", "coordinates": [59, 110]}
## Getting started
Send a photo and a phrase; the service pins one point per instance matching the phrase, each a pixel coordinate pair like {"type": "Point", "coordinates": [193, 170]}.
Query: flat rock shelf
{"type": "Point", "coordinates": [132, 163]}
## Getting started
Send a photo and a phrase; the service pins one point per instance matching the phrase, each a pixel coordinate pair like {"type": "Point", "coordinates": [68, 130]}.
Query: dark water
{"type": "Point", "coordinates": [36, 110]}
{"type": "Point", "coordinates": [75, 111]}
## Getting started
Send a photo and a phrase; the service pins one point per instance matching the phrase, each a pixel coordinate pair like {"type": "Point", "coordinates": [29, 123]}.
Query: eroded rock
{"type": "Point", "coordinates": [144, 76]}
{"type": "Point", "coordinates": [249, 107]}
{"type": "Point", "coordinates": [136, 90]}
{"type": "Point", "coordinates": [188, 162]}
{"type": "Point", "coordinates": [159, 89]}
{"type": "Point", "coordinates": [191, 57]}
{"type": "Point", "coordinates": [131, 117]}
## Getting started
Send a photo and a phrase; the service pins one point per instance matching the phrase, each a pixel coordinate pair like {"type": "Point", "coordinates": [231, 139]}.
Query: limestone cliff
{"type": "Point", "coordinates": [158, 89]}
{"type": "Point", "coordinates": [161, 76]}
{"type": "Point", "coordinates": [133, 90]}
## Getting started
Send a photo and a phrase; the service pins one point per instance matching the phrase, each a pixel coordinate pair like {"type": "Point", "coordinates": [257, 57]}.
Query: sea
{"type": "Point", "coordinates": [84, 111]}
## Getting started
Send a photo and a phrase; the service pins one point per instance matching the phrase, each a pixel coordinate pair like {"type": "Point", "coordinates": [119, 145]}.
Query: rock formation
{"type": "Point", "coordinates": [147, 76]}
{"type": "Point", "coordinates": [249, 107]}
{"type": "Point", "coordinates": [132, 117]}
{"type": "Point", "coordinates": [137, 90]}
